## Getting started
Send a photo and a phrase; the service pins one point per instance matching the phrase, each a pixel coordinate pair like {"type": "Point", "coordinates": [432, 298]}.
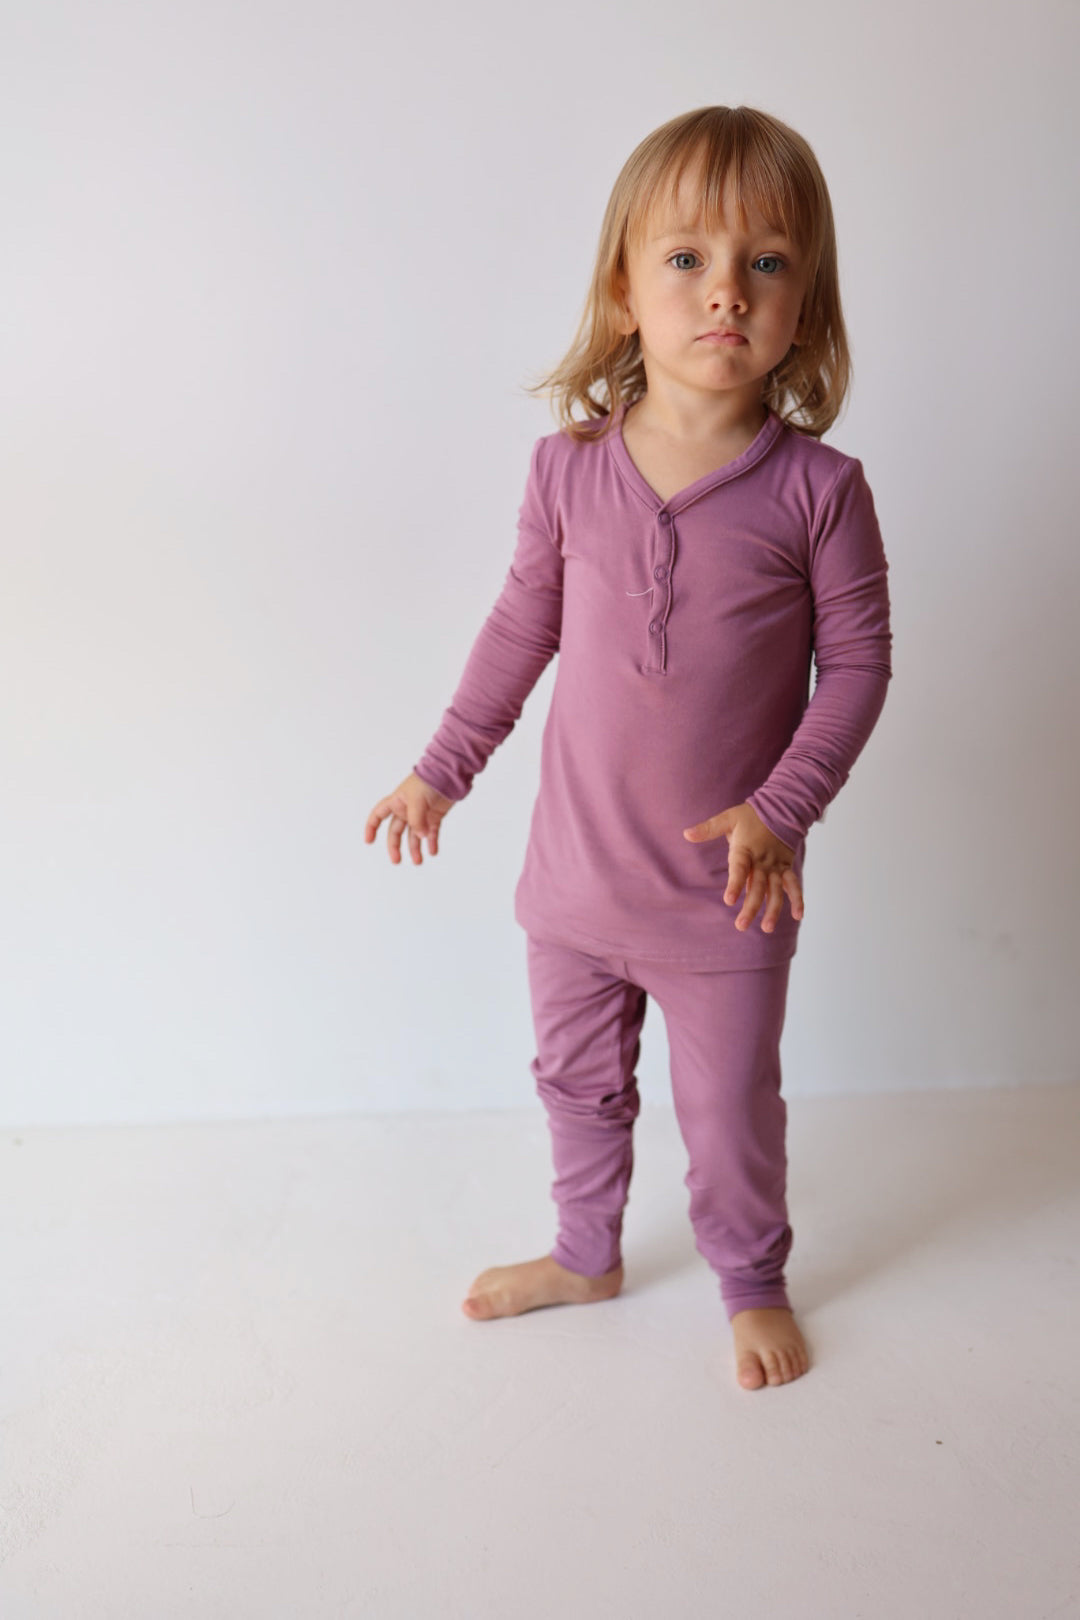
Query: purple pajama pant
{"type": "Point", "coordinates": [723, 1030]}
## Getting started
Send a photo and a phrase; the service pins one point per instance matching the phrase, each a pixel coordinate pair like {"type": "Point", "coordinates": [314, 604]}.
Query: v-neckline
{"type": "Point", "coordinates": [758, 447]}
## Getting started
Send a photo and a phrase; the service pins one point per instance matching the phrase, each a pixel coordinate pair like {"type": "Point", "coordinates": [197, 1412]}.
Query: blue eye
{"type": "Point", "coordinates": [775, 257]}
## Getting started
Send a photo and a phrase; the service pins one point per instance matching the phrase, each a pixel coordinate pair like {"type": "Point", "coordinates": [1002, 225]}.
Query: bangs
{"type": "Point", "coordinates": [674, 198]}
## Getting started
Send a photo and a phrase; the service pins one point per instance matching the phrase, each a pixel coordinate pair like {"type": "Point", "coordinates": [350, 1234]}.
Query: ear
{"type": "Point", "coordinates": [627, 320]}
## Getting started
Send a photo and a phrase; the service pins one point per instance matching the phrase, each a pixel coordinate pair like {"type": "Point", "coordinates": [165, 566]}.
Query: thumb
{"type": "Point", "coordinates": [715, 827]}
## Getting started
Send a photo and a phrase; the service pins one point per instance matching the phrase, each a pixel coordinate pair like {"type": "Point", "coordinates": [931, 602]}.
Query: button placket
{"type": "Point", "coordinates": [656, 654]}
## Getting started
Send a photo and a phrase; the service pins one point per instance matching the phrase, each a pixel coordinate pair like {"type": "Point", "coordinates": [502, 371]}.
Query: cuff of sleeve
{"type": "Point", "coordinates": [787, 834]}
{"type": "Point", "coordinates": [449, 786]}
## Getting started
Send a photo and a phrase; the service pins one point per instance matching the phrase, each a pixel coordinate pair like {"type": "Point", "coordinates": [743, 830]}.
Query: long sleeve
{"type": "Point", "coordinates": [852, 658]}
{"type": "Point", "coordinates": [516, 643]}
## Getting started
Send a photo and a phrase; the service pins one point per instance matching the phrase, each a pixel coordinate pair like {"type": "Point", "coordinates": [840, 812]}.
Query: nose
{"type": "Point", "coordinates": [727, 288]}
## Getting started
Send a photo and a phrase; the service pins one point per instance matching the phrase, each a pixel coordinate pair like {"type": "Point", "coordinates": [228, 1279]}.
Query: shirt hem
{"type": "Point", "coordinates": [577, 940]}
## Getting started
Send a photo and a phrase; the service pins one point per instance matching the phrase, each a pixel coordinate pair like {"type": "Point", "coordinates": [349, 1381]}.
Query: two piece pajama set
{"type": "Point", "coordinates": [685, 630]}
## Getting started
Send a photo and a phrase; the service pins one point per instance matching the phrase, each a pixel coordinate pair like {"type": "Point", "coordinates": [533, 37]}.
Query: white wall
{"type": "Point", "coordinates": [272, 280]}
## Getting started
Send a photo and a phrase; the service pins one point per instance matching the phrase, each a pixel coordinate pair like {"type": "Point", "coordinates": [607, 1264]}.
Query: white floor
{"type": "Point", "coordinates": [236, 1380]}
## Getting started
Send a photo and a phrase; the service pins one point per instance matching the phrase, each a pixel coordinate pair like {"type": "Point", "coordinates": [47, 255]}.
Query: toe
{"type": "Point", "coordinates": [774, 1369]}
{"type": "Point", "coordinates": [751, 1375]}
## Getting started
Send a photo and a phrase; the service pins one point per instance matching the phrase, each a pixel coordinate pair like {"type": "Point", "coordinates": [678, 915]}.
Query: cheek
{"type": "Point", "coordinates": [663, 313]}
{"type": "Point", "coordinates": [784, 314]}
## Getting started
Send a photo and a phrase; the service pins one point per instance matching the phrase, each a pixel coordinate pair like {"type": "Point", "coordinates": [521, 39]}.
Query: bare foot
{"type": "Point", "coordinates": [768, 1347]}
{"type": "Point", "coordinates": [510, 1290]}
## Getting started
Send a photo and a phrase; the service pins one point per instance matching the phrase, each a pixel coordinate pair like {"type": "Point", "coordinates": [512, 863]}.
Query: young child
{"type": "Point", "coordinates": [686, 550]}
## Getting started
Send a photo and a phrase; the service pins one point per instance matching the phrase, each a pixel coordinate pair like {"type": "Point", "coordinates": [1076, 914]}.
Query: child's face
{"type": "Point", "coordinates": [683, 283]}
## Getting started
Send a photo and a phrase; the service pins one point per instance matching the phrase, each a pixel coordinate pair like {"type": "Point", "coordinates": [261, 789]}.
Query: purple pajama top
{"type": "Point", "coordinates": [685, 631]}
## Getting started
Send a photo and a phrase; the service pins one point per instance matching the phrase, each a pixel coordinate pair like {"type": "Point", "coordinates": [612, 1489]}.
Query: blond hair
{"type": "Point", "coordinates": [773, 168]}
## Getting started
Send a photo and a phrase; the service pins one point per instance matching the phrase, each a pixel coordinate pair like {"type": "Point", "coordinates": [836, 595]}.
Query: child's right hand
{"type": "Point", "coordinates": [414, 804]}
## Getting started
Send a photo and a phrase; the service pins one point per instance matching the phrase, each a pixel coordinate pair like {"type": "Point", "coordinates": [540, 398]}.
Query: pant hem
{"type": "Point", "coordinates": [571, 1262]}
{"type": "Point", "coordinates": [764, 1299]}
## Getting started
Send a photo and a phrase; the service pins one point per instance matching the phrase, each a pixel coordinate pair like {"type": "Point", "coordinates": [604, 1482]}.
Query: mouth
{"type": "Point", "coordinates": [723, 336]}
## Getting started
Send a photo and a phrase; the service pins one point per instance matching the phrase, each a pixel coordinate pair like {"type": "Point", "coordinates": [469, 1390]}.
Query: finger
{"type": "Point", "coordinates": [775, 902]}
{"type": "Point", "coordinates": [428, 829]}
{"type": "Point", "coordinates": [739, 867]}
{"type": "Point", "coordinates": [754, 896]}
{"type": "Point", "coordinates": [794, 893]}
{"type": "Point", "coordinates": [371, 826]}
{"type": "Point", "coordinates": [393, 837]}
{"type": "Point", "coordinates": [414, 847]}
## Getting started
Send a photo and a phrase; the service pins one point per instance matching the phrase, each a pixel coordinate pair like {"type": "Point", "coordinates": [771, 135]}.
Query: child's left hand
{"type": "Point", "coordinates": [757, 859]}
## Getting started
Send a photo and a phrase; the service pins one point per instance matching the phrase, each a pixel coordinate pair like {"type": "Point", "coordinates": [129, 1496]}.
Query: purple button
{"type": "Point", "coordinates": [654, 628]}
{"type": "Point", "coordinates": [659, 573]}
